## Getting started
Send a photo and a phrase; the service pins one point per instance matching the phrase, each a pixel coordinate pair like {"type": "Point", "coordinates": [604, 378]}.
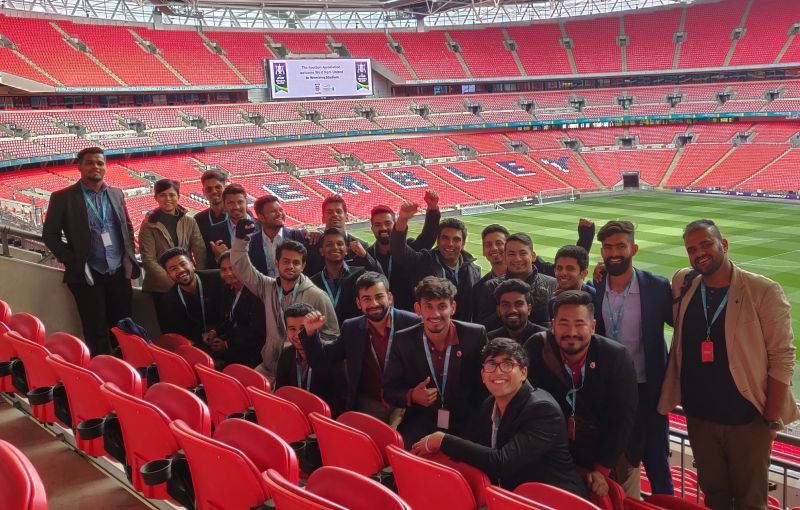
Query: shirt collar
{"type": "Point", "coordinates": [573, 366]}
{"type": "Point", "coordinates": [452, 337]}
{"type": "Point", "coordinates": [87, 189]}
{"type": "Point", "coordinates": [278, 237]}
{"type": "Point", "coordinates": [345, 272]}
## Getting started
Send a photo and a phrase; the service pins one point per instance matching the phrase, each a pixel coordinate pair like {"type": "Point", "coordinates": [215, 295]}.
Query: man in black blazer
{"type": "Point", "coordinates": [632, 306]}
{"type": "Point", "coordinates": [234, 200]}
{"type": "Point", "coordinates": [521, 435]}
{"type": "Point", "coordinates": [334, 215]}
{"type": "Point", "coordinates": [272, 220]}
{"type": "Point", "coordinates": [328, 381]}
{"type": "Point", "coordinates": [592, 379]}
{"type": "Point", "coordinates": [213, 182]}
{"type": "Point", "coordinates": [98, 254]}
{"type": "Point", "coordinates": [434, 367]}
{"type": "Point", "coordinates": [365, 344]}
{"type": "Point", "coordinates": [513, 308]}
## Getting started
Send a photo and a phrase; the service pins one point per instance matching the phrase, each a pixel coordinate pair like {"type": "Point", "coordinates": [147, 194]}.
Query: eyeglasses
{"type": "Point", "coordinates": [505, 366]}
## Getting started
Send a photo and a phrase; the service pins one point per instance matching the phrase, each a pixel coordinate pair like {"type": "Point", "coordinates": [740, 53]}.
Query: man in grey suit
{"type": "Point", "coordinates": [89, 231]}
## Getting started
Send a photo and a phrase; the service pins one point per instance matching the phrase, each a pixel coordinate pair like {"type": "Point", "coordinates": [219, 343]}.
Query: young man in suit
{"type": "Point", "coordinates": [513, 308]}
{"type": "Point", "coordinates": [328, 381]}
{"type": "Point", "coordinates": [234, 200]}
{"type": "Point", "coordinates": [434, 367]}
{"type": "Point", "coordinates": [213, 182]}
{"type": "Point", "coordinates": [365, 344]}
{"type": "Point", "coordinates": [632, 306]}
{"type": "Point", "coordinates": [271, 217]}
{"type": "Point", "coordinates": [334, 215]}
{"type": "Point", "coordinates": [98, 255]}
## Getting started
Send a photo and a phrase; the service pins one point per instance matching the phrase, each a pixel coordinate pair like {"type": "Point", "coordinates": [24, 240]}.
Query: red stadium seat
{"type": "Point", "coordinates": [69, 347]}
{"type": "Point", "coordinates": [194, 356]}
{"type": "Point", "coordinates": [672, 502]}
{"type": "Point", "coordinates": [134, 350]}
{"type": "Point", "coordinates": [173, 368]}
{"type": "Point", "coordinates": [7, 353]}
{"type": "Point", "coordinates": [171, 341]}
{"type": "Point", "coordinates": [28, 326]}
{"type": "Point", "coordinates": [345, 447]}
{"type": "Point", "coordinates": [426, 485]}
{"type": "Point", "coordinates": [498, 498]}
{"type": "Point", "coordinates": [247, 376]}
{"type": "Point", "coordinates": [352, 491]}
{"type": "Point", "coordinates": [40, 378]}
{"type": "Point", "coordinates": [21, 488]}
{"type": "Point", "coordinates": [553, 497]}
{"type": "Point", "coordinates": [5, 311]}
{"type": "Point", "coordinates": [282, 417]}
{"type": "Point", "coordinates": [289, 496]}
{"type": "Point", "coordinates": [264, 448]}
{"type": "Point", "coordinates": [305, 400]}
{"type": "Point", "coordinates": [477, 479]}
{"type": "Point", "coordinates": [224, 394]}
{"type": "Point", "coordinates": [382, 434]}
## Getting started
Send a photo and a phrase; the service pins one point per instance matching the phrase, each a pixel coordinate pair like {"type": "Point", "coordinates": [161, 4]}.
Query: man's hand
{"type": "Point", "coordinates": [218, 248]}
{"type": "Point", "coordinates": [431, 200]}
{"type": "Point", "coordinates": [585, 222]}
{"type": "Point", "coordinates": [218, 345]}
{"type": "Point", "coordinates": [208, 336]}
{"type": "Point", "coordinates": [599, 272]}
{"type": "Point", "coordinates": [429, 444]}
{"type": "Point", "coordinates": [407, 210]}
{"type": "Point", "coordinates": [597, 483]}
{"type": "Point", "coordinates": [313, 322]}
{"type": "Point", "coordinates": [422, 396]}
{"type": "Point", "coordinates": [245, 227]}
{"type": "Point", "coordinates": [357, 248]}
{"type": "Point", "coordinates": [314, 237]}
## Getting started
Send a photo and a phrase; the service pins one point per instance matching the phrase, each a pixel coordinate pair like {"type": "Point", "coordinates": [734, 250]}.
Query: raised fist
{"type": "Point", "coordinates": [244, 228]}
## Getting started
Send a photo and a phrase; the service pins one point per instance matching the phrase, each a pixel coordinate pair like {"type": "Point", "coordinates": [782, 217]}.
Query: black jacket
{"type": "Point", "coordinates": [530, 330]}
{"type": "Point", "coordinates": [346, 306]}
{"type": "Point", "coordinates": [408, 366]}
{"type": "Point", "coordinates": [315, 261]}
{"type": "Point", "coordinates": [67, 216]}
{"type": "Point", "coordinates": [257, 255]}
{"type": "Point", "coordinates": [351, 347]}
{"type": "Point", "coordinates": [531, 444]}
{"type": "Point", "coordinates": [176, 319]}
{"type": "Point", "coordinates": [328, 382]}
{"type": "Point", "coordinates": [542, 287]}
{"type": "Point", "coordinates": [243, 327]}
{"type": "Point", "coordinates": [203, 220]}
{"type": "Point", "coordinates": [425, 262]}
{"type": "Point", "coordinates": [605, 408]}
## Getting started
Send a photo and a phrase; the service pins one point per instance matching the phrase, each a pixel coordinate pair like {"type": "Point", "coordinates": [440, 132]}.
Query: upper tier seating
{"type": "Point", "coordinates": [477, 44]}
{"type": "Point", "coordinates": [708, 29]}
{"type": "Point", "coordinates": [246, 50]}
{"type": "Point", "coordinates": [374, 45]}
{"type": "Point", "coordinates": [595, 45]}
{"type": "Point", "coordinates": [539, 49]}
{"type": "Point", "coordinates": [651, 47]}
{"type": "Point", "coordinates": [766, 31]}
{"type": "Point", "coordinates": [301, 43]}
{"type": "Point", "coordinates": [429, 56]}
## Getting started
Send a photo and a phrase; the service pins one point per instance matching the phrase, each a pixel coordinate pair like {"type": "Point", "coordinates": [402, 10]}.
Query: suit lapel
{"type": "Point", "coordinates": [454, 373]}
{"type": "Point", "coordinates": [358, 344]}
{"type": "Point", "coordinates": [734, 306]}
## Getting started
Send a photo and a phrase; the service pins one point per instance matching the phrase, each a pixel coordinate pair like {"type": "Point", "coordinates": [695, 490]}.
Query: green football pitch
{"type": "Point", "coordinates": [764, 237]}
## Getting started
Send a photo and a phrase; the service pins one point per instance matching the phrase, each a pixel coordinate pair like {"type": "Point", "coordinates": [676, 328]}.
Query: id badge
{"type": "Point", "coordinates": [106, 237]}
{"type": "Point", "coordinates": [707, 352]}
{"type": "Point", "coordinates": [443, 419]}
{"type": "Point", "coordinates": [571, 428]}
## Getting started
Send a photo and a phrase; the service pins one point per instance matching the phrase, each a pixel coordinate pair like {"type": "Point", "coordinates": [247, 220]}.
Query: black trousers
{"type": "Point", "coordinates": [101, 306]}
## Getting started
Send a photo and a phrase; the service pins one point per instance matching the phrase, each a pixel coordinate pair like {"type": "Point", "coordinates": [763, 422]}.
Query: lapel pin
{"type": "Point", "coordinates": [458, 353]}
{"type": "Point", "coordinates": [592, 365]}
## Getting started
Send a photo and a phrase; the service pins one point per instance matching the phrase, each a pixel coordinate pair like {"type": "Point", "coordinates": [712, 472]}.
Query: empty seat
{"type": "Point", "coordinates": [5, 311]}
{"type": "Point", "coordinates": [282, 417]}
{"type": "Point", "coordinates": [69, 347]}
{"type": "Point", "coordinates": [28, 326]}
{"type": "Point", "coordinates": [171, 341]}
{"type": "Point", "coordinates": [173, 368]}
{"type": "Point", "coordinates": [289, 496]}
{"type": "Point", "coordinates": [378, 431]}
{"type": "Point", "coordinates": [21, 487]}
{"type": "Point", "coordinates": [672, 502]}
{"type": "Point", "coordinates": [134, 350]}
{"type": "Point", "coordinates": [426, 485]}
{"type": "Point", "coordinates": [7, 354]}
{"type": "Point", "coordinates": [553, 496]}
{"type": "Point", "coordinates": [224, 394]}
{"type": "Point", "coordinates": [352, 491]}
{"type": "Point", "coordinates": [477, 479]}
{"type": "Point", "coordinates": [498, 498]}
{"type": "Point", "coordinates": [264, 448]}
{"type": "Point", "coordinates": [194, 356]}
{"type": "Point", "coordinates": [305, 400]}
{"type": "Point", "coordinates": [247, 376]}
{"type": "Point", "coordinates": [346, 447]}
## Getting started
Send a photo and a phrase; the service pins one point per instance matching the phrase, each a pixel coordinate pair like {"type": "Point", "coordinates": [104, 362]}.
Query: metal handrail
{"type": "Point", "coordinates": [7, 232]}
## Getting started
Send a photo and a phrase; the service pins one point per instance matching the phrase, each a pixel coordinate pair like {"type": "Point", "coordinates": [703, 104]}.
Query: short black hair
{"type": "Point", "coordinates": [369, 279]}
{"type": "Point", "coordinates": [521, 237]}
{"type": "Point", "coordinates": [224, 256]}
{"type": "Point", "coordinates": [297, 310]}
{"type": "Point", "coordinates": [452, 223]}
{"type": "Point", "coordinates": [234, 189]}
{"type": "Point", "coordinates": [616, 227]}
{"type": "Point", "coordinates": [500, 345]}
{"type": "Point", "coordinates": [89, 150]}
{"type": "Point", "coordinates": [291, 245]}
{"type": "Point", "coordinates": [494, 227]}
{"type": "Point", "coordinates": [334, 199]}
{"type": "Point", "coordinates": [573, 297]}
{"type": "Point", "coordinates": [177, 251]}
{"type": "Point", "coordinates": [704, 225]}
{"type": "Point", "coordinates": [513, 285]}
{"type": "Point", "coordinates": [163, 185]}
{"type": "Point", "coordinates": [574, 252]}
{"type": "Point", "coordinates": [433, 287]}
{"type": "Point", "coordinates": [214, 174]}
{"type": "Point", "coordinates": [333, 231]}
{"type": "Point", "coordinates": [258, 206]}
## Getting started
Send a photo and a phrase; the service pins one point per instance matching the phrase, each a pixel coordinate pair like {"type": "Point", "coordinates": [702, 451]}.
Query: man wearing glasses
{"type": "Point", "coordinates": [521, 433]}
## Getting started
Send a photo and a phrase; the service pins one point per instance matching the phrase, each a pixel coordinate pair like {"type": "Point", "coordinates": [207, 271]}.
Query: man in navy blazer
{"type": "Point", "coordinates": [273, 232]}
{"type": "Point", "coordinates": [365, 343]}
{"type": "Point", "coordinates": [632, 306]}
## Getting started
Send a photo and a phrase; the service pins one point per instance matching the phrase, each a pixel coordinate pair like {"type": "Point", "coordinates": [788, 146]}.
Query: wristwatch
{"type": "Point", "coordinates": [775, 425]}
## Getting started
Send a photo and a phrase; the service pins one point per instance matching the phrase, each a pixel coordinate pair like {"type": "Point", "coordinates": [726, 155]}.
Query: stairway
{"type": "Point", "coordinates": [681, 27]}
{"type": "Point", "coordinates": [671, 168]}
{"type": "Point", "coordinates": [623, 49]}
{"type": "Point", "coordinates": [589, 171]}
{"type": "Point", "coordinates": [570, 56]}
{"type": "Point", "coordinates": [403, 58]}
{"type": "Point", "coordinates": [714, 166]}
{"type": "Point", "coordinates": [224, 58]}
{"type": "Point", "coordinates": [161, 59]}
{"type": "Point", "coordinates": [734, 42]}
{"type": "Point", "coordinates": [88, 54]}
{"type": "Point", "coordinates": [35, 66]}
{"type": "Point", "coordinates": [515, 56]}
{"type": "Point", "coordinates": [458, 55]}
{"type": "Point", "coordinates": [782, 154]}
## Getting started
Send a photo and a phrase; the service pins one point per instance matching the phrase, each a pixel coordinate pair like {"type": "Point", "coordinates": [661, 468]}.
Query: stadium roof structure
{"type": "Point", "coordinates": [330, 14]}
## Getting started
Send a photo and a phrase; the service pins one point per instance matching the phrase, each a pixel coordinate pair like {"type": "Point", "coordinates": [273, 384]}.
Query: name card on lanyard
{"type": "Point", "coordinates": [443, 414]}
{"type": "Point", "coordinates": [105, 235]}
{"type": "Point", "coordinates": [615, 318]}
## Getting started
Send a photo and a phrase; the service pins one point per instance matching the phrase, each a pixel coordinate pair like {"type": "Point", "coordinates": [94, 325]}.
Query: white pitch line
{"type": "Point", "coordinates": [770, 257]}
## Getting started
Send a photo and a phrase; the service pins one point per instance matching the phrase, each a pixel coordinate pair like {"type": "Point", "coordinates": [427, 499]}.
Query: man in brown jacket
{"type": "Point", "coordinates": [730, 367]}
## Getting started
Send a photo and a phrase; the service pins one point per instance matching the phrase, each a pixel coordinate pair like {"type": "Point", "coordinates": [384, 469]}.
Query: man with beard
{"type": "Point", "coordinates": [493, 239]}
{"type": "Point", "coordinates": [334, 215]}
{"type": "Point", "coordinates": [382, 220]}
{"type": "Point", "coordinates": [434, 367]}
{"type": "Point", "coordinates": [234, 199]}
{"type": "Point", "coordinates": [571, 268]}
{"type": "Point", "coordinates": [327, 381]}
{"type": "Point", "coordinates": [88, 229]}
{"type": "Point", "coordinates": [291, 286]}
{"type": "Point", "coordinates": [191, 306]}
{"type": "Point", "coordinates": [513, 309]}
{"type": "Point", "coordinates": [240, 334]}
{"type": "Point", "coordinates": [365, 344]}
{"type": "Point", "coordinates": [213, 182]}
{"type": "Point", "coordinates": [271, 217]}
{"type": "Point", "coordinates": [448, 260]}
{"type": "Point", "coordinates": [519, 257]}
{"type": "Point", "coordinates": [632, 306]}
{"type": "Point", "coordinates": [730, 366]}
{"type": "Point", "coordinates": [593, 380]}
{"type": "Point", "coordinates": [338, 278]}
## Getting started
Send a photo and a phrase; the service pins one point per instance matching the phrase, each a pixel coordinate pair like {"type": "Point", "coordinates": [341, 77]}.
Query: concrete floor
{"type": "Point", "coordinates": [71, 481]}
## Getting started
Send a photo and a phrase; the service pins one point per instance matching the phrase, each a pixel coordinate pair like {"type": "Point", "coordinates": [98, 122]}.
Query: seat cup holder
{"type": "Point", "coordinates": [91, 429]}
{"type": "Point", "coordinates": [40, 396]}
{"type": "Point", "coordinates": [156, 471]}
{"type": "Point", "coordinates": [231, 416]}
{"type": "Point", "coordinates": [5, 367]}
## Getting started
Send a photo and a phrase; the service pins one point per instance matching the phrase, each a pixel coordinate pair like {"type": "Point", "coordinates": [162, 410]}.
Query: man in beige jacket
{"type": "Point", "coordinates": [730, 367]}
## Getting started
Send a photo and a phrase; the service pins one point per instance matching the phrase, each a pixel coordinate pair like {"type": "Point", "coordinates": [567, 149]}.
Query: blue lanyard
{"type": "Point", "coordinates": [200, 295]}
{"type": "Point", "coordinates": [720, 307]}
{"type": "Point", "coordinates": [273, 271]}
{"type": "Point", "coordinates": [299, 366]}
{"type": "Point", "coordinates": [445, 270]}
{"type": "Point", "coordinates": [572, 393]}
{"type": "Point", "coordinates": [443, 386]}
{"type": "Point", "coordinates": [388, 347]}
{"type": "Point", "coordinates": [616, 318]}
{"type": "Point", "coordinates": [334, 297]}
{"type": "Point", "coordinates": [495, 424]}
{"type": "Point", "coordinates": [100, 215]}
{"type": "Point", "coordinates": [281, 295]}
{"type": "Point", "coordinates": [211, 218]}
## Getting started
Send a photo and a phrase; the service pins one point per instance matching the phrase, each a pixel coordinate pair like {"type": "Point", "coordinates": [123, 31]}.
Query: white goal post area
{"type": "Point", "coordinates": [550, 196]}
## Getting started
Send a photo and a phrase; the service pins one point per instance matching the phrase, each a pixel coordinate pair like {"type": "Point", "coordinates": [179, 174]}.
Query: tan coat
{"type": "Point", "coordinates": [758, 336]}
{"type": "Point", "coordinates": [154, 240]}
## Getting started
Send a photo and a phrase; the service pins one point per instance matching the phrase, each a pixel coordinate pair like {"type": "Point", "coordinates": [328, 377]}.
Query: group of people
{"type": "Point", "coordinates": [530, 372]}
